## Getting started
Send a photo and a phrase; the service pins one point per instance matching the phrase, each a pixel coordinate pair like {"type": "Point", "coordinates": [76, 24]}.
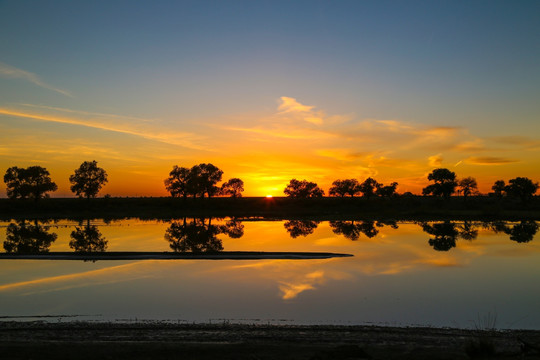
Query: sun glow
{"type": "Point", "coordinates": [269, 196]}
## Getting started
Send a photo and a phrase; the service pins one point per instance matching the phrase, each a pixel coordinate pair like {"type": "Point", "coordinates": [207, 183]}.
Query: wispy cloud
{"type": "Point", "coordinates": [523, 142]}
{"type": "Point", "coordinates": [289, 104]}
{"type": "Point", "coordinates": [106, 116]}
{"type": "Point", "coordinates": [280, 131]}
{"type": "Point", "coordinates": [340, 154]}
{"type": "Point", "coordinates": [13, 72]}
{"type": "Point", "coordinates": [113, 274]}
{"type": "Point", "coordinates": [435, 160]}
{"type": "Point", "coordinates": [305, 112]}
{"type": "Point", "coordinates": [489, 160]}
{"type": "Point", "coordinates": [108, 122]}
{"type": "Point", "coordinates": [473, 145]}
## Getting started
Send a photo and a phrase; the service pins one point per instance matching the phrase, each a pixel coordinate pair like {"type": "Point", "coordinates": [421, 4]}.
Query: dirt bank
{"type": "Point", "coordinates": [81, 340]}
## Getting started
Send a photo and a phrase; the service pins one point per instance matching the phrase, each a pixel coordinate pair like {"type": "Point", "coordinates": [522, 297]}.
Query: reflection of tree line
{"type": "Point", "coordinates": [521, 233]}
{"type": "Point", "coordinates": [195, 235]}
{"type": "Point", "coordinates": [444, 234]}
{"type": "Point", "coordinates": [201, 234]}
{"type": "Point", "coordinates": [351, 229]}
{"type": "Point", "coordinates": [26, 237]}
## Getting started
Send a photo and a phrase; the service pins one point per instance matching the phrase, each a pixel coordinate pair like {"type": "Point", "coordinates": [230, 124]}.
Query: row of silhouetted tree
{"type": "Point", "coordinates": [444, 183]}
{"type": "Point", "coordinates": [35, 181]}
{"type": "Point", "coordinates": [202, 180]}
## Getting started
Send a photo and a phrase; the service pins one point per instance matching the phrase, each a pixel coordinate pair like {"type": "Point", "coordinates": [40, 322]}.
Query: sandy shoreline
{"type": "Point", "coordinates": [127, 255]}
{"type": "Point", "coordinates": [161, 340]}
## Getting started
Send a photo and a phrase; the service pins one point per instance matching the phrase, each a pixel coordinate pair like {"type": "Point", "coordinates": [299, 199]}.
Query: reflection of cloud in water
{"type": "Point", "coordinates": [388, 256]}
{"type": "Point", "coordinates": [292, 277]}
{"type": "Point", "coordinates": [441, 262]}
{"type": "Point", "coordinates": [109, 275]}
{"type": "Point", "coordinates": [332, 241]}
{"type": "Point", "coordinates": [291, 290]}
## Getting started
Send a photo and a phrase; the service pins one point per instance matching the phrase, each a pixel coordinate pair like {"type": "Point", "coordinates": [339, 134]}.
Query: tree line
{"type": "Point", "coordinates": [202, 181]}
{"type": "Point", "coordinates": [444, 183]}
{"type": "Point", "coordinates": [35, 181]}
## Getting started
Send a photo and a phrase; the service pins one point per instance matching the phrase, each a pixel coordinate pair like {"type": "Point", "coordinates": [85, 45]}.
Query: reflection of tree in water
{"type": "Point", "coordinates": [233, 228]}
{"type": "Point", "coordinates": [522, 232]}
{"type": "Point", "coordinates": [199, 235]}
{"type": "Point", "coordinates": [353, 229]}
{"type": "Point", "coordinates": [87, 239]}
{"type": "Point", "coordinates": [392, 223]}
{"type": "Point", "coordinates": [368, 228]}
{"type": "Point", "coordinates": [297, 228]}
{"type": "Point", "coordinates": [467, 231]}
{"type": "Point", "coordinates": [28, 238]}
{"type": "Point", "coordinates": [444, 235]}
{"type": "Point", "coordinates": [495, 226]}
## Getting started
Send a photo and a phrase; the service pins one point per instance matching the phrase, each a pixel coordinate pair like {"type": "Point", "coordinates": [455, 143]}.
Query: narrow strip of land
{"type": "Point", "coordinates": [328, 208]}
{"type": "Point", "coordinates": [223, 255]}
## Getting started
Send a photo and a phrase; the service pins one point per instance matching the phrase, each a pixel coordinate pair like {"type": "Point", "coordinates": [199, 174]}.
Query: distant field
{"type": "Point", "coordinates": [326, 208]}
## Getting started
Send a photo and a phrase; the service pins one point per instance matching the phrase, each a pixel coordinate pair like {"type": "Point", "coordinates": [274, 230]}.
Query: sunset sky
{"type": "Point", "coordinates": [271, 90]}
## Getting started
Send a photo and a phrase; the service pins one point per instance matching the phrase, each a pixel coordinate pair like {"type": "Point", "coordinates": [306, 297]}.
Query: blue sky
{"type": "Point", "coordinates": [193, 68]}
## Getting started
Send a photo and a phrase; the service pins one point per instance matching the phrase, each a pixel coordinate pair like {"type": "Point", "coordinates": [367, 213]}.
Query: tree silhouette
{"type": "Point", "coordinates": [87, 239]}
{"type": "Point", "coordinates": [499, 188]}
{"type": "Point", "coordinates": [233, 187]}
{"type": "Point", "coordinates": [521, 187]}
{"type": "Point", "coordinates": [179, 182]}
{"type": "Point", "coordinates": [444, 235]}
{"type": "Point", "coordinates": [444, 183]}
{"type": "Point", "coordinates": [468, 186]}
{"type": "Point", "coordinates": [341, 188]}
{"type": "Point", "coordinates": [387, 191]}
{"type": "Point", "coordinates": [297, 228]}
{"type": "Point", "coordinates": [33, 182]}
{"type": "Point", "coordinates": [205, 177]}
{"type": "Point", "coordinates": [26, 238]}
{"type": "Point", "coordinates": [199, 180]}
{"type": "Point", "coordinates": [369, 187]}
{"type": "Point", "coordinates": [88, 179]}
{"type": "Point", "coordinates": [303, 189]}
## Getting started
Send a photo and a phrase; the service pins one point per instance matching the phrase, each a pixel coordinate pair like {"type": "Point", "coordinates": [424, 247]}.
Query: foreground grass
{"type": "Point", "coordinates": [328, 208]}
{"type": "Point", "coordinates": [81, 340]}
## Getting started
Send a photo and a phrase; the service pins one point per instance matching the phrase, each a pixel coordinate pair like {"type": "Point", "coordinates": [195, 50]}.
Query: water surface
{"type": "Point", "coordinates": [455, 274]}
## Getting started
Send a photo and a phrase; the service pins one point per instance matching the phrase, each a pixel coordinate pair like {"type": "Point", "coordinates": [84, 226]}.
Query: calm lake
{"type": "Point", "coordinates": [457, 274]}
